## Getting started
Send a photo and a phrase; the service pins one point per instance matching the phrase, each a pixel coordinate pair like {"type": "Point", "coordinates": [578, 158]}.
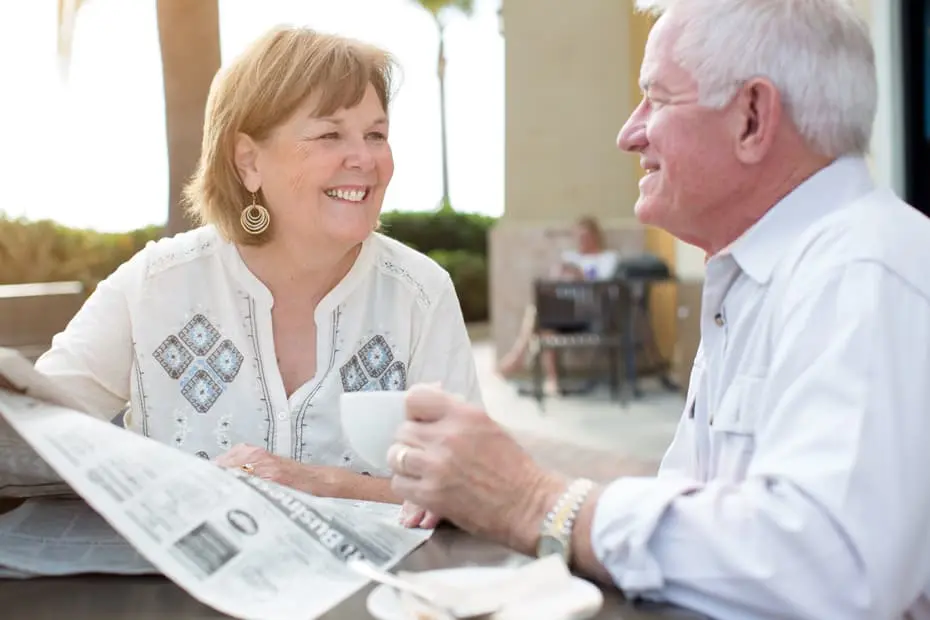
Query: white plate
{"type": "Point", "coordinates": [384, 604]}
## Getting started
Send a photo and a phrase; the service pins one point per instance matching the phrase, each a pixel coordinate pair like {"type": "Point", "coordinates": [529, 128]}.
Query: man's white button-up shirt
{"type": "Point", "coordinates": [797, 482]}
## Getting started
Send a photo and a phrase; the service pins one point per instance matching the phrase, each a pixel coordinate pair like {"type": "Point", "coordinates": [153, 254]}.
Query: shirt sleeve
{"type": "Point", "coordinates": [92, 358]}
{"type": "Point", "coordinates": [442, 353]}
{"type": "Point", "coordinates": [831, 519]}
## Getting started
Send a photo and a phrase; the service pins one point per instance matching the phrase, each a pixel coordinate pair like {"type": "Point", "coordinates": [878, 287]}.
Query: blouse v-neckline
{"type": "Point", "coordinates": [262, 302]}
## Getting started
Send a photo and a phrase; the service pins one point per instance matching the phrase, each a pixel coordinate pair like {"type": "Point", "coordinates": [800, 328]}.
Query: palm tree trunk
{"type": "Point", "coordinates": [441, 66]}
{"type": "Point", "coordinates": [189, 33]}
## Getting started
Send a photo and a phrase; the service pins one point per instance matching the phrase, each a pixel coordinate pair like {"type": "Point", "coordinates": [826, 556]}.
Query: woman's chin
{"type": "Point", "coordinates": [350, 232]}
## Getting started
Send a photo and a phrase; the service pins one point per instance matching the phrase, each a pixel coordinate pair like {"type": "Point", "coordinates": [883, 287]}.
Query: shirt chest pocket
{"type": "Point", "coordinates": [733, 429]}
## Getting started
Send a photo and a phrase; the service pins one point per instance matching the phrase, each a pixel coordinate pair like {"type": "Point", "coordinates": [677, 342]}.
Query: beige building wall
{"type": "Point", "coordinates": [569, 88]}
{"type": "Point", "coordinates": [567, 94]}
{"type": "Point", "coordinates": [571, 82]}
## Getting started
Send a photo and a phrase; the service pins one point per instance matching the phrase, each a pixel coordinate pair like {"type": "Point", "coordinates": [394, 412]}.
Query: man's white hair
{"type": "Point", "coordinates": [818, 53]}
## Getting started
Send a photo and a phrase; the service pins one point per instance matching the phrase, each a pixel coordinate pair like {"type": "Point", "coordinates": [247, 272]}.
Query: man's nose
{"type": "Point", "coordinates": [632, 136]}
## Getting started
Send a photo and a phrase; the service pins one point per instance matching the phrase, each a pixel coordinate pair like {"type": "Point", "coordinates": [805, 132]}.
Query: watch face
{"type": "Point", "coordinates": [549, 545]}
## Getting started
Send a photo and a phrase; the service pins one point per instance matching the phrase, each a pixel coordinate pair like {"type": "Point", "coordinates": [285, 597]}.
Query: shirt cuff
{"type": "Point", "coordinates": [626, 517]}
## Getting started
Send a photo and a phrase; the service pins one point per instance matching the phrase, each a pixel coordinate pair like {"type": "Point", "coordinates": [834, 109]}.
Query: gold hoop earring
{"type": "Point", "coordinates": [255, 218]}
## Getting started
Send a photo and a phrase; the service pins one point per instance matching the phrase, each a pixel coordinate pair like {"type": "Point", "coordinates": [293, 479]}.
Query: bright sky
{"type": "Point", "coordinates": [91, 152]}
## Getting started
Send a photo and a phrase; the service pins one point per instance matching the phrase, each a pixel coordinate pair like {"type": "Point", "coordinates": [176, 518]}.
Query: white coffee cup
{"type": "Point", "coordinates": [369, 422]}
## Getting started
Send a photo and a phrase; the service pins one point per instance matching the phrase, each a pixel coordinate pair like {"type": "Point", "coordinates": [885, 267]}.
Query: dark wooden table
{"type": "Point", "coordinates": [109, 597]}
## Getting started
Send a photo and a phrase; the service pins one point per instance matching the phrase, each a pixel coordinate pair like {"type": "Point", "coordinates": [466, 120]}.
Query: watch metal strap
{"type": "Point", "coordinates": [560, 519]}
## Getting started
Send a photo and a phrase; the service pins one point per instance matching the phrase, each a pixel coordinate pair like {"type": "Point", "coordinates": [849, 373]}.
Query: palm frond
{"type": "Point", "coordinates": [436, 6]}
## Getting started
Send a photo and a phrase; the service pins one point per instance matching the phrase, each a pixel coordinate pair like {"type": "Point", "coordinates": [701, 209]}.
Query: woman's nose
{"type": "Point", "coordinates": [360, 155]}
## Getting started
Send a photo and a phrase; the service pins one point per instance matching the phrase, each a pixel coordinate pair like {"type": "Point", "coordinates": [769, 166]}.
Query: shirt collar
{"type": "Point", "coordinates": [255, 287]}
{"type": "Point", "coordinates": [760, 248]}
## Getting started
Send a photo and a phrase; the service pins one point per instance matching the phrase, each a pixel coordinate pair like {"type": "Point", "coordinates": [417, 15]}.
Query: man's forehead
{"type": "Point", "coordinates": [653, 72]}
{"type": "Point", "coordinates": [655, 50]}
{"type": "Point", "coordinates": [659, 68]}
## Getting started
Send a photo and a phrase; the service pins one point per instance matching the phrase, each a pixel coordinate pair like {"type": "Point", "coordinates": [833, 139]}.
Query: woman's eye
{"type": "Point", "coordinates": [377, 135]}
{"type": "Point", "coordinates": [330, 136]}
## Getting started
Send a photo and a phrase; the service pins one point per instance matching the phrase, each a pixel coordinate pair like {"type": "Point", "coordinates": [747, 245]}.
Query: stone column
{"type": "Point", "coordinates": [570, 83]}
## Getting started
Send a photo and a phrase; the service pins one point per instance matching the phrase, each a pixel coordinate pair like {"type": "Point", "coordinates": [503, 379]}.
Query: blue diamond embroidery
{"type": "Point", "coordinates": [173, 356]}
{"type": "Point", "coordinates": [376, 356]}
{"type": "Point", "coordinates": [199, 335]}
{"type": "Point", "coordinates": [226, 361]}
{"type": "Point", "coordinates": [201, 391]}
{"type": "Point", "coordinates": [371, 386]}
{"type": "Point", "coordinates": [353, 377]}
{"type": "Point", "coordinates": [395, 378]}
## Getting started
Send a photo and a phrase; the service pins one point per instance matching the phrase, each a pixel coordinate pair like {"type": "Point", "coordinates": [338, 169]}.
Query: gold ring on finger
{"type": "Point", "coordinates": [401, 459]}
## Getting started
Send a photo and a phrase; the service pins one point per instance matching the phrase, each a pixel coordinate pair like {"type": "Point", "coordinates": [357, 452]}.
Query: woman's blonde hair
{"type": "Point", "coordinates": [259, 91]}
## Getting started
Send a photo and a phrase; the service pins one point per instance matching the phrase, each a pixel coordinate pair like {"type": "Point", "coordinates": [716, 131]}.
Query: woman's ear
{"type": "Point", "coordinates": [246, 158]}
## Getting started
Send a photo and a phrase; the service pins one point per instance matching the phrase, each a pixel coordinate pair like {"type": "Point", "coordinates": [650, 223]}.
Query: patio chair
{"type": "Point", "coordinates": [582, 315]}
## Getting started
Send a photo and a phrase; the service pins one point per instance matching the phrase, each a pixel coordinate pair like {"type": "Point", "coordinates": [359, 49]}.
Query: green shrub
{"type": "Point", "coordinates": [458, 242]}
{"type": "Point", "coordinates": [445, 230]}
{"type": "Point", "coordinates": [43, 251]}
{"type": "Point", "coordinates": [469, 272]}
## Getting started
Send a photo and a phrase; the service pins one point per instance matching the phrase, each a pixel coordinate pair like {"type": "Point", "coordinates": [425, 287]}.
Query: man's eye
{"type": "Point", "coordinates": [330, 136]}
{"type": "Point", "coordinates": [378, 136]}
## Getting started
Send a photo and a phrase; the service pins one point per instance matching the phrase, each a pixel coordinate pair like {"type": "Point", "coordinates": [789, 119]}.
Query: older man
{"type": "Point", "coordinates": [796, 484]}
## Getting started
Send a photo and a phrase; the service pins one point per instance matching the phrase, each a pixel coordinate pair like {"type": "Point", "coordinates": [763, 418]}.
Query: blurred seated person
{"type": "Point", "coordinates": [234, 341]}
{"type": "Point", "coordinates": [590, 261]}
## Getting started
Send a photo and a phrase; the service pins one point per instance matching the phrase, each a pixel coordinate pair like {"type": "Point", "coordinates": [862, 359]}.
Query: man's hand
{"type": "Point", "coordinates": [317, 480]}
{"type": "Point", "coordinates": [452, 460]}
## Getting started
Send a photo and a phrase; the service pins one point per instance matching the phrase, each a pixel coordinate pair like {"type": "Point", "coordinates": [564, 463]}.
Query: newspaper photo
{"type": "Point", "coordinates": [245, 546]}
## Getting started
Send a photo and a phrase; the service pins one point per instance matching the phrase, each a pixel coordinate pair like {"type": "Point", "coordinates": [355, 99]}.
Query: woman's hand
{"type": "Point", "coordinates": [412, 516]}
{"type": "Point", "coordinates": [314, 479]}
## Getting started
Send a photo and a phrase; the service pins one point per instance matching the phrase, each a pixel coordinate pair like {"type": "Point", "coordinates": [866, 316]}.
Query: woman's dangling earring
{"type": "Point", "coordinates": [255, 218]}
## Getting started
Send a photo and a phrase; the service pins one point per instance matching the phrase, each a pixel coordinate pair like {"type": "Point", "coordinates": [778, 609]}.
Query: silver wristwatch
{"type": "Point", "coordinates": [555, 536]}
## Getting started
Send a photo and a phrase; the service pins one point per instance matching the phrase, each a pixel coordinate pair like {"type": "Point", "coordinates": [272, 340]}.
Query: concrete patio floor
{"type": "Point", "coordinates": [583, 435]}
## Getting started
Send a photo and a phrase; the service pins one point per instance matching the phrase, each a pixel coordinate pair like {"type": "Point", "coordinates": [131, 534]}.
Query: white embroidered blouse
{"type": "Point", "coordinates": [182, 331]}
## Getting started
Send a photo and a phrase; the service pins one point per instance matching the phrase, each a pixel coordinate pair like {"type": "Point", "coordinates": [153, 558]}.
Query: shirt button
{"type": "Point", "coordinates": [718, 319]}
{"type": "Point", "coordinates": [282, 415]}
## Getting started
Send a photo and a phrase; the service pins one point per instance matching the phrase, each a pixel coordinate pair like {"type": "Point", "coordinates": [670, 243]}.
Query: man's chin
{"type": "Point", "coordinates": [647, 211]}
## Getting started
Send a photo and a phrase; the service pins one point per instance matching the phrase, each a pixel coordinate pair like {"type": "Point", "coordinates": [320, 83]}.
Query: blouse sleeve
{"type": "Point", "coordinates": [92, 358]}
{"type": "Point", "coordinates": [442, 352]}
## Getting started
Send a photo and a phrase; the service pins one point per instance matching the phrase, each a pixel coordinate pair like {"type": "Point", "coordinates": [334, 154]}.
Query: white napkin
{"type": "Point", "coordinates": [543, 577]}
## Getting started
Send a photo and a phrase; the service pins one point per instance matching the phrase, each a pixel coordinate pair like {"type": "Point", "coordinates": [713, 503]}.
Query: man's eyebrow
{"type": "Point", "coordinates": [651, 84]}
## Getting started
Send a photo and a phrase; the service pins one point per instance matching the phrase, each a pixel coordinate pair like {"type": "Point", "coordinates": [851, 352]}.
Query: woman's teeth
{"type": "Point", "coordinates": [351, 195]}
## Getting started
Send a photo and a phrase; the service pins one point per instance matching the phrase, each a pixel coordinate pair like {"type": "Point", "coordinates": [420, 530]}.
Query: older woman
{"type": "Point", "coordinates": [591, 261]}
{"type": "Point", "coordinates": [234, 341]}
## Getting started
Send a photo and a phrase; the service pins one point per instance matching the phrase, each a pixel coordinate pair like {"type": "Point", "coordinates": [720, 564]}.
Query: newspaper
{"type": "Point", "coordinates": [54, 537]}
{"type": "Point", "coordinates": [245, 546]}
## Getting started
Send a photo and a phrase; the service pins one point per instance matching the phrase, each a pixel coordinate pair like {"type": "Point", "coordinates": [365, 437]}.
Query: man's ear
{"type": "Point", "coordinates": [246, 158]}
{"type": "Point", "coordinates": [757, 112]}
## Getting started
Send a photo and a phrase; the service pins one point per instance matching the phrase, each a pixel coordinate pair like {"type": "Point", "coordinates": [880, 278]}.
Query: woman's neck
{"type": "Point", "coordinates": [302, 268]}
